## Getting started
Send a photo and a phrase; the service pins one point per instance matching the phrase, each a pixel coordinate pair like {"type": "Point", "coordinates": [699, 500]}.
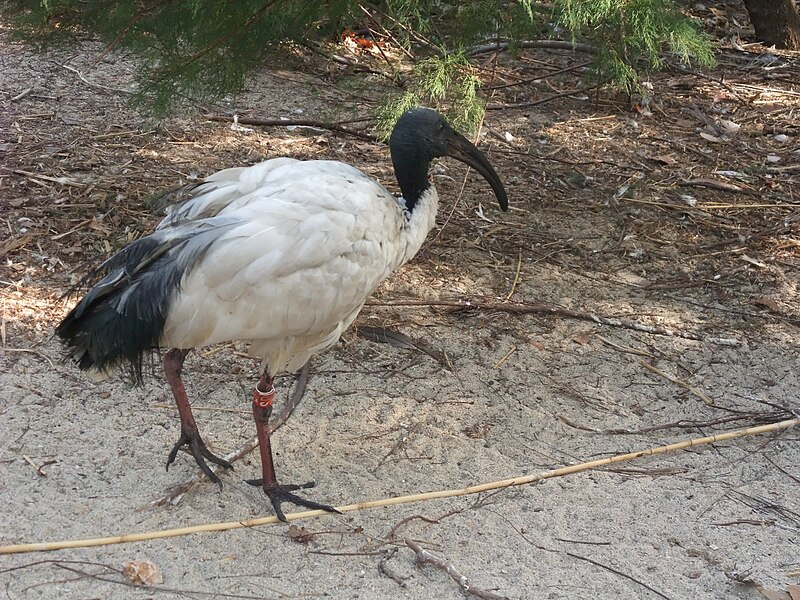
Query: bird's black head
{"type": "Point", "coordinates": [421, 135]}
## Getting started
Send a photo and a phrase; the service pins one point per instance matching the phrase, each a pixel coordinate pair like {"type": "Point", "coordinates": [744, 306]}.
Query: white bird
{"type": "Point", "coordinates": [282, 254]}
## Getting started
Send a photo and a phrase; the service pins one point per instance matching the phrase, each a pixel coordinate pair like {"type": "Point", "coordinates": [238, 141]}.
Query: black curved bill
{"type": "Point", "coordinates": [462, 149]}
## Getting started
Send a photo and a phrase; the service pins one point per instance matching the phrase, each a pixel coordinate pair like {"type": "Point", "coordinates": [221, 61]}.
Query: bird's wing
{"type": "Point", "coordinates": [314, 239]}
{"type": "Point", "coordinates": [121, 318]}
{"type": "Point", "coordinates": [219, 191]}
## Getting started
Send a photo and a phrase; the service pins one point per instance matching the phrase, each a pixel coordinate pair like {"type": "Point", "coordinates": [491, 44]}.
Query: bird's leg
{"type": "Point", "coordinates": [190, 436]}
{"type": "Point", "coordinates": [263, 396]}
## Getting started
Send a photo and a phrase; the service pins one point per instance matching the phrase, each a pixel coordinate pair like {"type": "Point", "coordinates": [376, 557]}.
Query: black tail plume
{"type": "Point", "coordinates": [120, 319]}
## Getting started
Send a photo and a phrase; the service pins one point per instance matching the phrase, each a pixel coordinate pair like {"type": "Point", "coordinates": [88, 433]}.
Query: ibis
{"type": "Point", "coordinates": [281, 255]}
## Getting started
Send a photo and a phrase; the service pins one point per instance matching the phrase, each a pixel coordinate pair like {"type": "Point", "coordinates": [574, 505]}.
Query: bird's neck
{"type": "Point", "coordinates": [411, 170]}
{"type": "Point", "coordinates": [419, 224]}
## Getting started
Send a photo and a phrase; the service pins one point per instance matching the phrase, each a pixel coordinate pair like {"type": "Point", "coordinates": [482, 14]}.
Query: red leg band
{"type": "Point", "coordinates": [263, 399]}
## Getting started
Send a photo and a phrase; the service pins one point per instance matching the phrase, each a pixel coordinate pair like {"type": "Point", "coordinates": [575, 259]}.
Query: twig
{"type": "Point", "coordinates": [787, 226]}
{"type": "Point", "coordinates": [196, 408]}
{"type": "Point", "coordinates": [413, 33]}
{"type": "Point", "coordinates": [31, 351]}
{"type": "Point", "coordinates": [588, 88]}
{"type": "Point", "coordinates": [782, 470]}
{"type": "Point", "coordinates": [677, 381]}
{"type": "Point", "coordinates": [332, 553]}
{"type": "Point", "coordinates": [424, 557]}
{"type": "Point", "coordinates": [716, 80]}
{"type": "Point", "coordinates": [745, 313]}
{"type": "Point", "coordinates": [58, 180]}
{"type": "Point", "coordinates": [757, 522]}
{"type": "Point", "coordinates": [539, 77]}
{"type": "Point", "coordinates": [475, 489]}
{"type": "Point", "coordinates": [150, 588]}
{"type": "Point", "coordinates": [356, 67]}
{"type": "Point", "coordinates": [383, 568]}
{"type": "Point", "coordinates": [682, 424]}
{"type": "Point", "coordinates": [500, 362]}
{"type": "Point", "coordinates": [175, 493]}
{"type": "Point", "coordinates": [481, 502]}
{"type": "Point", "coordinates": [762, 505]}
{"type": "Point", "coordinates": [393, 531]}
{"type": "Point", "coordinates": [298, 122]}
{"type": "Point", "coordinates": [557, 311]}
{"type": "Point", "coordinates": [404, 439]}
{"type": "Point", "coordinates": [46, 463]}
{"type": "Point", "coordinates": [22, 94]}
{"type": "Point", "coordinates": [99, 86]}
{"type": "Point", "coordinates": [623, 348]}
{"type": "Point", "coordinates": [387, 33]}
{"type": "Point", "coordinates": [620, 573]}
{"type": "Point", "coordinates": [516, 278]}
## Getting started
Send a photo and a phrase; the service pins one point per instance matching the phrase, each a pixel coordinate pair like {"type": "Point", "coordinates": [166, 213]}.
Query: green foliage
{"type": "Point", "coordinates": [199, 48]}
{"type": "Point", "coordinates": [452, 24]}
{"type": "Point", "coordinates": [205, 49]}
{"type": "Point", "coordinates": [632, 35]}
{"type": "Point", "coordinates": [447, 82]}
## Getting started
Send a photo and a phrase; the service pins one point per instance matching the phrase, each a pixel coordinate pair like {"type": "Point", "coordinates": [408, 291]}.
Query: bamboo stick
{"type": "Point", "coordinates": [475, 489]}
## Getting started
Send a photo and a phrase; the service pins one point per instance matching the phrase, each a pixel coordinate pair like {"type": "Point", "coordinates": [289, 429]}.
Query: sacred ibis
{"type": "Point", "coordinates": [281, 254]}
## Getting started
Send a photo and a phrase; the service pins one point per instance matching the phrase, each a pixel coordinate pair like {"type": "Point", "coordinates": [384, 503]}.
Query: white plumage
{"type": "Point", "coordinates": [282, 254]}
{"type": "Point", "coordinates": [311, 242]}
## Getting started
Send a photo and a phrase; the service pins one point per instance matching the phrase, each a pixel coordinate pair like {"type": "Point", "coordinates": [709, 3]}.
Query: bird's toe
{"type": "Point", "coordinates": [200, 452]}
{"type": "Point", "coordinates": [278, 494]}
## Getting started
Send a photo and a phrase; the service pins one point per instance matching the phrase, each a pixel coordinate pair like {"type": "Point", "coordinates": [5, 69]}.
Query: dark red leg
{"type": "Point", "coordinates": [263, 396]}
{"type": "Point", "coordinates": [190, 436]}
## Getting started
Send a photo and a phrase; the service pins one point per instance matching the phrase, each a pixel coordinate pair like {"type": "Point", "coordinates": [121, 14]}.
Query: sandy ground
{"type": "Point", "coordinates": [520, 394]}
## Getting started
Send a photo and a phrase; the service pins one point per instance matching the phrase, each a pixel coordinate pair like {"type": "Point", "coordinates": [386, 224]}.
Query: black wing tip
{"type": "Point", "coordinates": [100, 339]}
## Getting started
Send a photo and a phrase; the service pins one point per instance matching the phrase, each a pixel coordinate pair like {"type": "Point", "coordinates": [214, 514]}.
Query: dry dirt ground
{"type": "Point", "coordinates": [680, 215]}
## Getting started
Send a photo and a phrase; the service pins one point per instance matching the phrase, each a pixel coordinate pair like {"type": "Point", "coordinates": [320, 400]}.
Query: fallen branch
{"type": "Point", "coordinates": [717, 185]}
{"type": "Point", "coordinates": [548, 44]}
{"type": "Point", "coordinates": [175, 493]}
{"type": "Point", "coordinates": [424, 557]}
{"type": "Point", "coordinates": [557, 311]}
{"type": "Point", "coordinates": [292, 122]}
{"type": "Point", "coordinates": [475, 489]}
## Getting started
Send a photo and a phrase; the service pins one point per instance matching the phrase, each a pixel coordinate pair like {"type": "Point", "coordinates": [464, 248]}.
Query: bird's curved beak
{"type": "Point", "coordinates": [462, 149]}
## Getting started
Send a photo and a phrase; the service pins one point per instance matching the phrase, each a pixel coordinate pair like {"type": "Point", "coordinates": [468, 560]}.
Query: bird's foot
{"type": "Point", "coordinates": [278, 493]}
{"type": "Point", "coordinates": [197, 448]}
